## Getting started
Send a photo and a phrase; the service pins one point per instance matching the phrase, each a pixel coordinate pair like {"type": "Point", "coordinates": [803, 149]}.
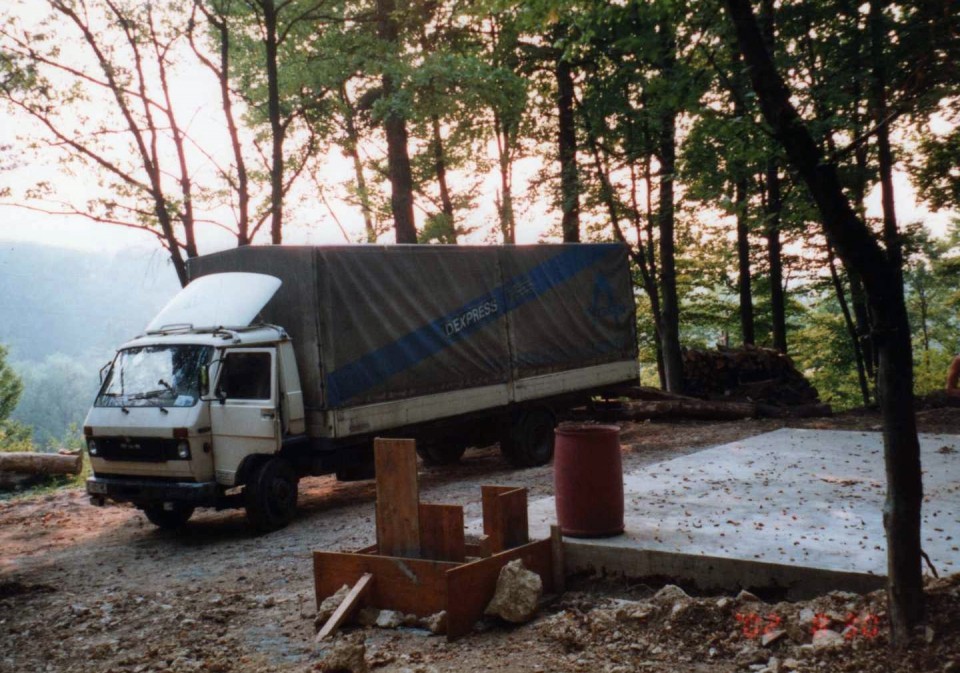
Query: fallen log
{"type": "Point", "coordinates": [794, 411]}
{"type": "Point", "coordinates": [692, 409]}
{"type": "Point", "coordinates": [25, 462]}
{"type": "Point", "coordinates": [646, 393]}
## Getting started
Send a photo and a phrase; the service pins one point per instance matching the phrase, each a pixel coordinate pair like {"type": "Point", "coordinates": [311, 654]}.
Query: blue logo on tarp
{"type": "Point", "coordinates": [374, 368]}
{"type": "Point", "coordinates": [605, 307]}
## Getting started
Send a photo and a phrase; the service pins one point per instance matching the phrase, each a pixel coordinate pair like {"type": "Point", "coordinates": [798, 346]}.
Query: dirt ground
{"type": "Point", "coordinates": [100, 589]}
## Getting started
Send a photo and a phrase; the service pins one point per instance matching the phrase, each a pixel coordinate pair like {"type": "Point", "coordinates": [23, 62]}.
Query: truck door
{"type": "Point", "coordinates": [244, 418]}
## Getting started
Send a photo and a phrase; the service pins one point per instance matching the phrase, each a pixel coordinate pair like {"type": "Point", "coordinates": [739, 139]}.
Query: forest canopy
{"type": "Point", "coordinates": [459, 122]}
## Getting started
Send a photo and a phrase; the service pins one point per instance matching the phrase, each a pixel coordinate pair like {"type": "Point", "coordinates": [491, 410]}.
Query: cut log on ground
{"type": "Point", "coordinates": [708, 410]}
{"type": "Point", "coordinates": [695, 409]}
{"type": "Point", "coordinates": [25, 462]}
{"type": "Point", "coordinates": [796, 411]}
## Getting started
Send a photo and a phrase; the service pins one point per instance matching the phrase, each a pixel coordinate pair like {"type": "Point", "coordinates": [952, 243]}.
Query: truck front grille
{"type": "Point", "coordinates": [141, 449]}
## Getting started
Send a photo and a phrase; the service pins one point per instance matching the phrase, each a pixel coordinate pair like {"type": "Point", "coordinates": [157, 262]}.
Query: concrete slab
{"type": "Point", "coordinates": [796, 509]}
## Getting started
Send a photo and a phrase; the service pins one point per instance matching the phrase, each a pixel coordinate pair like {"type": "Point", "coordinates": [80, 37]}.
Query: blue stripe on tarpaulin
{"type": "Point", "coordinates": [374, 368]}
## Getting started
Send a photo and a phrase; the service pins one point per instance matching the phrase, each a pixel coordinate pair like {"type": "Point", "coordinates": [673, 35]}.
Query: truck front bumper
{"type": "Point", "coordinates": [148, 491]}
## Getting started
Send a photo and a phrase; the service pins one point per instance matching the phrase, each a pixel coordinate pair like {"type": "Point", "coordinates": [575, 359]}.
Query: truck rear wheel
{"type": "Point", "coordinates": [168, 519]}
{"type": "Point", "coordinates": [529, 440]}
{"type": "Point", "coordinates": [270, 497]}
{"type": "Point", "coordinates": [439, 453]}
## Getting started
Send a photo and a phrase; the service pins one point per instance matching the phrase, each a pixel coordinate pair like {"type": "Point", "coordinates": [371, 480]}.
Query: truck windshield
{"type": "Point", "coordinates": [155, 376]}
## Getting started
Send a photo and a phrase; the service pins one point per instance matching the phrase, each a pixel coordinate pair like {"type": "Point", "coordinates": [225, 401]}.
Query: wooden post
{"type": "Point", "coordinates": [504, 516]}
{"type": "Point", "coordinates": [398, 498]}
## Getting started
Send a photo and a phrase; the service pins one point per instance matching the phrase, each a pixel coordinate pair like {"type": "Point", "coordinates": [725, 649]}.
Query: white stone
{"type": "Point", "coordinates": [671, 592]}
{"type": "Point", "coordinates": [389, 619]}
{"type": "Point", "coordinates": [827, 639]}
{"type": "Point", "coordinates": [518, 593]}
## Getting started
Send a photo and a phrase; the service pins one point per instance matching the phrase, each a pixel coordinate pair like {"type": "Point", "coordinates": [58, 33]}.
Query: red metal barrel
{"type": "Point", "coordinates": [588, 480]}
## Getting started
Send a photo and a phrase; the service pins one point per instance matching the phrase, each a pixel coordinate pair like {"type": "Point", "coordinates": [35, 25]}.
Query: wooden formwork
{"type": "Point", "coordinates": [422, 563]}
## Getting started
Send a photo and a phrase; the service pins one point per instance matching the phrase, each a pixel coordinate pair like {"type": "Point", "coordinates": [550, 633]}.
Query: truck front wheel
{"type": "Point", "coordinates": [529, 440]}
{"type": "Point", "coordinates": [168, 519]}
{"type": "Point", "coordinates": [270, 496]}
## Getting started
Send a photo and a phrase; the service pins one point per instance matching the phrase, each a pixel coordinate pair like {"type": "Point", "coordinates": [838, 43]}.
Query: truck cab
{"type": "Point", "coordinates": [198, 411]}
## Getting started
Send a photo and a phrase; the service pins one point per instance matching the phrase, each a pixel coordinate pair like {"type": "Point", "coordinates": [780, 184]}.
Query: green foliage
{"type": "Point", "coordinates": [936, 170]}
{"type": "Point", "coordinates": [14, 436]}
{"type": "Point", "coordinates": [57, 395]}
{"type": "Point", "coordinates": [10, 386]}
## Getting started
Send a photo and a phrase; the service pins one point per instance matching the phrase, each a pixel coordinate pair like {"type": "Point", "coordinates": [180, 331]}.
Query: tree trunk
{"type": "Point", "coordinates": [891, 233]}
{"type": "Point", "coordinates": [567, 142]}
{"type": "Point", "coordinates": [858, 298]}
{"type": "Point", "coordinates": [743, 264]}
{"type": "Point", "coordinates": [395, 128]}
{"type": "Point", "coordinates": [353, 149]}
{"type": "Point", "coordinates": [882, 283]}
{"type": "Point", "coordinates": [778, 304]}
{"type": "Point", "coordinates": [851, 328]}
{"type": "Point", "coordinates": [218, 23]}
{"type": "Point", "coordinates": [508, 226]}
{"type": "Point", "coordinates": [277, 130]}
{"type": "Point", "coordinates": [440, 168]}
{"type": "Point", "coordinates": [669, 305]}
{"type": "Point", "coordinates": [774, 206]}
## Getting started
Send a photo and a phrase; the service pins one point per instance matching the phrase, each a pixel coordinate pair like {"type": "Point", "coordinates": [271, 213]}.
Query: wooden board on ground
{"type": "Point", "coordinates": [348, 607]}
{"type": "Point", "coordinates": [398, 498]}
{"type": "Point", "coordinates": [414, 586]}
{"type": "Point", "coordinates": [504, 516]}
{"type": "Point", "coordinates": [473, 584]}
{"type": "Point", "coordinates": [441, 533]}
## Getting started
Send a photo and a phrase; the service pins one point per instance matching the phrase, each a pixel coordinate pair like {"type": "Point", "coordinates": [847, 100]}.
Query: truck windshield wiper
{"type": "Point", "coordinates": [150, 394]}
{"type": "Point", "coordinates": [123, 407]}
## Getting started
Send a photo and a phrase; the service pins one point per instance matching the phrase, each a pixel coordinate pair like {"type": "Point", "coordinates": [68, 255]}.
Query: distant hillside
{"type": "Point", "coordinates": [82, 304]}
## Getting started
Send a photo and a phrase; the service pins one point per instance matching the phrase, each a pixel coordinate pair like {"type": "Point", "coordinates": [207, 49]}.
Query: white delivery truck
{"type": "Point", "coordinates": [280, 362]}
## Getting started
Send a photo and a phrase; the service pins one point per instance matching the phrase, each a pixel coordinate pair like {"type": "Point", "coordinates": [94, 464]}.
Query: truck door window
{"type": "Point", "coordinates": [246, 376]}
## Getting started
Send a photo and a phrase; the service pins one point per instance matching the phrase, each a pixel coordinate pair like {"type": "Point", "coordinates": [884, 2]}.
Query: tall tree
{"type": "Point", "coordinates": [395, 127]}
{"type": "Point", "coordinates": [883, 283]}
{"type": "Point", "coordinates": [666, 153]}
{"type": "Point", "coordinates": [774, 208]}
{"type": "Point", "coordinates": [567, 140]}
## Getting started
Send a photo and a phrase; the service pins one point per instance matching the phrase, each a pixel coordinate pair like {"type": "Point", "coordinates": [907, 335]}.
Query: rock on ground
{"type": "Point", "coordinates": [329, 606]}
{"type": "Point", "coordinates": [518, 594]}
{"type": "Point", "coordinates": [346, 656]}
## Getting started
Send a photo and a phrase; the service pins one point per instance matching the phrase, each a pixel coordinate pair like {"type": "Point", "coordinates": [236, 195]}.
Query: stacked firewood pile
{"type": "Point", "coordinates": [760, 375]}
{"type": "Point", "coordinates": [724, 384]}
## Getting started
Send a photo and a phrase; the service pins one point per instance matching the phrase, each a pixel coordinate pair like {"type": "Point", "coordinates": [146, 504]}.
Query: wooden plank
{"type": "Point", "coordinates": [414, 586]}
{"type": "Point", "coordinates": [480, 548]}
{"type": "Point", "coordinates": [398, 511]}
{"type": "Point", "coordinates": [504, 516]}
{"type": "Point", "coordinates": [559, 568]}
{"type": "Point", "coordinates": [441, 533]}
{"type": "Point", "coordinates": [346, 608]}
{"type": "Point", "coordinates": [473, 584]}
{"type": "Point", "coordinates": [492, 516]}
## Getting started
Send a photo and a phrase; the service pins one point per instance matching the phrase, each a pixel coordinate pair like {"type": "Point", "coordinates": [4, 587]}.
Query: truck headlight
{"type": "Point", "coordinates": [183, 450]}
{"type": "Point", "coordinates": [92, 447]}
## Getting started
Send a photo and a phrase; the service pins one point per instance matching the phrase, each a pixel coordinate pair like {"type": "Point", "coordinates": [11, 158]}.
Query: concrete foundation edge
{"type": "Point", "coordinates": [713, 573]}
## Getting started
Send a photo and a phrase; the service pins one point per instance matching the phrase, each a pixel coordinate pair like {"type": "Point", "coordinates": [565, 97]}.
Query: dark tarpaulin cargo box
{"type": "Point", "coordinates": [379, 323]}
